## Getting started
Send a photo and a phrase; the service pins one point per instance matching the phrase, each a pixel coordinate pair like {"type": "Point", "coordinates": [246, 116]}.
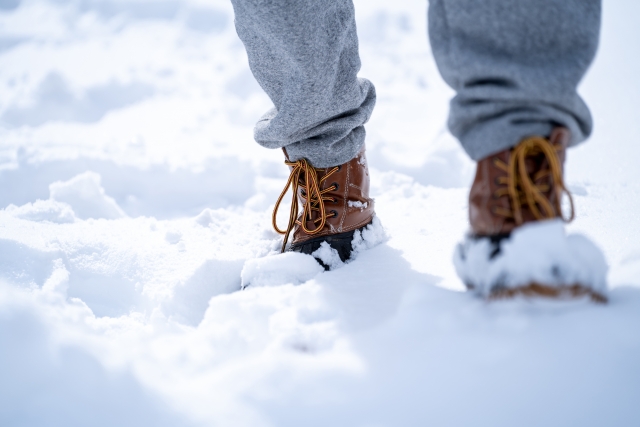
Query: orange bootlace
{"type": "Point", "coordinates": [314, 199]}
{"type": "Point", "coordinates": [523, 190]}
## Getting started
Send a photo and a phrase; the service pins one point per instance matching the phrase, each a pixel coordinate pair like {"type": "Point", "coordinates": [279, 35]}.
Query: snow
{"type": "Point", "coordinates": [287, 268]}
{"type": "Point", "coordinates": [534, 253]}
{"type": "Point", "coordinates": [357, 204]}
{"type": "Point", "coordinates": [84, 194]}
{"type": "Point", "coordinates": [135, 207]}
{"type": "Point", "coordinates": [368, 237]}
{"type": "Point", "coordinates": [328, 256]}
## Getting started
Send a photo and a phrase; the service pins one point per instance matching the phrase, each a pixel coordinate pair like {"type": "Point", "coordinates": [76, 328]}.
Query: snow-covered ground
{"type": "Point", "coordinates": [132, 196]}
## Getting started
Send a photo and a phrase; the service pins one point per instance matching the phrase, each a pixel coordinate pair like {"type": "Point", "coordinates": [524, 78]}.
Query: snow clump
{"type": "Point", "coordinates": [535, 253]}
{"type": "Point", "coordinates": [358, 204]}
{"type": "Point", "coordinates": [372, 235]}
{"type": "Point", "coordinates": [328, 256]}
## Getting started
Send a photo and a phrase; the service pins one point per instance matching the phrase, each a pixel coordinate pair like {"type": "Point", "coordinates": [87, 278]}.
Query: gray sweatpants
{"type": "Point", "coordinates": [514, 64]}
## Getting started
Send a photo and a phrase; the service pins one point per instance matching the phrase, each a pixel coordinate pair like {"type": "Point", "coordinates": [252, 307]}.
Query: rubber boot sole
{"type": "Point", "coordinates": [340, 242]}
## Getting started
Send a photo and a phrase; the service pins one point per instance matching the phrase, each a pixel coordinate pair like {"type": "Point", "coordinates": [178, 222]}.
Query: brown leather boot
{"type": "Point", "coordinates": [521, 185]}
{"type": "Point", "coordinates": [335, 203]}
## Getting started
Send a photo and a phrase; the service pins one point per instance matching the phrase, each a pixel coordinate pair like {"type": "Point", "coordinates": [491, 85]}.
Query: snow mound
{"type": "Point", "coordinates": [43, 210]}
{"type": "Point", "coordinates": [81, 197]}
{"type": "Point", "coordinates": [535, 253]}
{"type": "Point", "coordinates": [287, 268]}
{"type": "Point", "coordinates": [84, 193]}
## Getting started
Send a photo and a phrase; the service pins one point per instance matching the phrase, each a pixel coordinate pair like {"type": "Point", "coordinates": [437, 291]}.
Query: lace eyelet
{"type": "Point", "coordinates": [497, 181]}
{"type": "Point", "coordinates": [335, 185]}
{"type": "Point", "coordinates": [335, 213]}
{"type": "Point", "coordinates": [339, 167]}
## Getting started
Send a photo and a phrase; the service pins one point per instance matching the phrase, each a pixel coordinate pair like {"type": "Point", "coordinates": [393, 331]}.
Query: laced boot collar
{"type": "Point", "coordinates": [305, 177]}
{"type": "Point", "coordinates": [522, 188]}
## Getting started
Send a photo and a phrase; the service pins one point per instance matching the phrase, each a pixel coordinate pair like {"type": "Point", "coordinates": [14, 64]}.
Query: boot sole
{"type": "Point", "coordinates": [340, 242]}
{"type": "Point", "coordinates": [543, 291]}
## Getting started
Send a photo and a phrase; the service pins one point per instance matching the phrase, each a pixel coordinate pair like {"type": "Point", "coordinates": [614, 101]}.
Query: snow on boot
{"type": "Point", "coordinates": [517, 245]}
{"type": "Point", "coordinates": [335, 206]}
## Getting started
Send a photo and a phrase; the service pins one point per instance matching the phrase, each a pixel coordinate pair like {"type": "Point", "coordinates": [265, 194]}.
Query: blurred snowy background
{"type": "Point", "coordinates": [132, 194]}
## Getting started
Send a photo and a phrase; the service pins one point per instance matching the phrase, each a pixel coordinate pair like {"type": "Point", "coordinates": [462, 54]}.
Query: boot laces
{"type": "Point", "coordinates": [522, 189]}
{"type": "Point", "coordinates": [314, 199]}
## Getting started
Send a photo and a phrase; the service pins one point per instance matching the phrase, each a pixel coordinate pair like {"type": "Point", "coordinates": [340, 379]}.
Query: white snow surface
{"type": "Point", "coordinates": [534, 253]}
{"type": "Point", "coordinates": [286, 268]}
{"type": "Point", "coordinates": [135, 206]}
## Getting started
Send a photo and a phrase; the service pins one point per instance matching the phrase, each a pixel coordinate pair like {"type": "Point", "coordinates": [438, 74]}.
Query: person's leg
{"type": "Point", "coordinates": [515, 66]}
{"type": "Point", "coordinates": [304, 54]}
